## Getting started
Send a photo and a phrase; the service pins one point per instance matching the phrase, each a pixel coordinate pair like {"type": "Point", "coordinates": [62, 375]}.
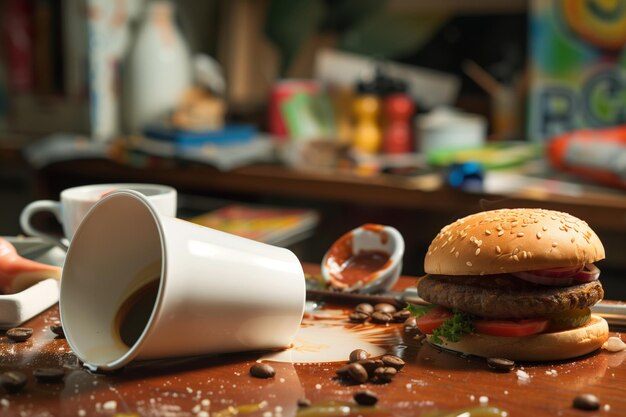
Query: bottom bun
{"type": "Point", "coordinates": [540, 347]}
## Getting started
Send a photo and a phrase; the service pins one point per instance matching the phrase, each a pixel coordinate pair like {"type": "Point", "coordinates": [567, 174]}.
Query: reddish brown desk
{"type": "Point", "coordinates": [221, 386]}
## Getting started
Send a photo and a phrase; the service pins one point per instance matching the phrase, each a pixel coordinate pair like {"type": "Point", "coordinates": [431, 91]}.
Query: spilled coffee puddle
{"type": "Point", "coordinates": [327, 336]}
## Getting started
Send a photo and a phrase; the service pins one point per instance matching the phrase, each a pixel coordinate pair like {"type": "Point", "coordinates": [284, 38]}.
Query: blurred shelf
{"type": "Point", "coordinates": [605, 210]}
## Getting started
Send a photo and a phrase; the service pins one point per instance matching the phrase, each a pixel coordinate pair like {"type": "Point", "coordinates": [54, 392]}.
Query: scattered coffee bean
{"type": "Point", "coordinates": [381, 317]}
{"type": "Point", "coordinates": [358, 317]}
{"type": "Point", "coordinates": [49, 375]}
{"type": "Point", "coordinates": [410, 324]}
{"type": "Point", "coordinates": [385, 307]}
{"type": "Point", "coordinates": [364, 308]}
{"type": "Point", "coordinates": [500, 364]}
{"type": "Point", "coordinates": [385, 374]}
{"type": "Point", "coordinates": [57, 329]}
{"type": "Point", "coordinates": [357, 373]}
{"type": "Point", "coordinates": [262, 370]}
{"type": "Point", "coordinates": [13, 381]}
{"type": "Point", "coordinates": [586, 402]}
{"type": "Point", "coordinates": [365, 398]}
{"type": "Point", "coordinates": [393, 361]}
{"type": "Point", "coordinates": [304, 403]}
{"type": "Point", "coordinates": [358, 355]}
{"type": "Point", "coordinates": [342, 372]}
{"type": "Point", "coordinates": [401, 316]}
{"type": "Point", "coordinates": [371, 365]}
{"type": "Point", "coordinates": [20, 334]}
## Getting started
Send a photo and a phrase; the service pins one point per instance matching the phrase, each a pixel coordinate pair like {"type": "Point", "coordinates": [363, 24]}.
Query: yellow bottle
{"type": "Point", "coordinates": [367, 133]}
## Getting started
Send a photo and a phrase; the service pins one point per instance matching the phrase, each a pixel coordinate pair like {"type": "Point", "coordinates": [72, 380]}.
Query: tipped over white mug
{"type": "Point", "coordinates": [215, 293]}
{"type": "Point", "coordinates": [75, 202]}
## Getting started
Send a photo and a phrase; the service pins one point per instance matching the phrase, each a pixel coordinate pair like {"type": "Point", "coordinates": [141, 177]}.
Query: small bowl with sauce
{"type": "Point", "coordinates": [367, 259]}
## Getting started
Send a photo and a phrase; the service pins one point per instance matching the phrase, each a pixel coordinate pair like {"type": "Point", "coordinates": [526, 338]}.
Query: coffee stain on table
{"type": "Point", "coordinates": [331, 338]}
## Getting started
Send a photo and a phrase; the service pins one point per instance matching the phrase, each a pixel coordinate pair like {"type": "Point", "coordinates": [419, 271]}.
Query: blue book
{"type": "Point", "coordinates": [229, 135]}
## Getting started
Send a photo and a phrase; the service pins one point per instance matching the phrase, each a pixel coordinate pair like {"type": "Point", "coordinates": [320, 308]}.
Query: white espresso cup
{"type": "Point", "coordinates": [139, 285]}
{"type": "Point", "coordinates": [75, 203]}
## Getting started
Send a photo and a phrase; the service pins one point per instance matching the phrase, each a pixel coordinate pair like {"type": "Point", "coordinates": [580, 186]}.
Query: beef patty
{"type": "Point", "coordinates": [504, 296]}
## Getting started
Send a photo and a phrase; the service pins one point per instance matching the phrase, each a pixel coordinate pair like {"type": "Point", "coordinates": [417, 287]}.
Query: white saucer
{"type": "Point", "coordinates": [17, 308]}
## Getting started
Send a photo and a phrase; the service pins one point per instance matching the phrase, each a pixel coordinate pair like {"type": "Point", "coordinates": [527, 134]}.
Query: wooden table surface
{"type": "Point", "coordinates": [221, 385]}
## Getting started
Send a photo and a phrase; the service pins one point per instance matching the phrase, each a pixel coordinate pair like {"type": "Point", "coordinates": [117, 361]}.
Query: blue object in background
{"type": "Point", "coordinates": [231, 134]}
{"type": "Point", "coordinates": [466, 176]}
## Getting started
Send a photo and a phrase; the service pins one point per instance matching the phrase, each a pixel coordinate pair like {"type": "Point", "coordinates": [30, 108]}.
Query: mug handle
{"type": "Point", "coordinates": [31, 209]}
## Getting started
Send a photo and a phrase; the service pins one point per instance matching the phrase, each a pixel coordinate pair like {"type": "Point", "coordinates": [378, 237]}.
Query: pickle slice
{"type": "Point", "coordinates": [570, 319]}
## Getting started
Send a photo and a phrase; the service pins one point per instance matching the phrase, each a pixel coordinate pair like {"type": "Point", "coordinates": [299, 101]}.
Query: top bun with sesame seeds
{"type": "Point", "coordinates": [514, 283]}
{"type": "Point", "coordinates": [512, 240]}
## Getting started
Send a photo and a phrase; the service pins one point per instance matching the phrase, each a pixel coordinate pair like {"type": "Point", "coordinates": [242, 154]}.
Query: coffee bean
{"type": "Point", "coordinates": [342, 372]}
{"type": "Point", "coordinates": [364, 308]}
{"type": "Point", "coordinates": [393, 361]}
{"type": "Point", "coordinates": [410, 324]}
{"type": "Point", "coordinates": [500, 364]}
{"type": "Point", "coordinates": [262, 370]}
{"type": "Point", "coordinates": [20, 334]}
{"type": "Point", "coordinates": [357, 373]}
{"type": "Point", "coordinates": [365, 398]}
{"type": "Point", "coordinates": [385, 374]}
{"type": "Point", "coordinates": [370, 365]}
{"type": "Point", "coordinates": [304, 403]}
{"type": "Point", "coordinates": [13, 381]}
{"type": "Point", "coordinates": [49, 375]}
{"type": "Point", "coordinates": [401, 316]}
{"type": "Point", "coordinates": [381, 317]}
{"type": "Point", "coordinates": [385, 307]}
{"type": "Point", "coordinates": [358, 355]}
{"type": "Point", "coordinates": [586, 402]}
{"type": "Point", "coordinates": [358, 317]}
{"type": "Point", "coordinates": [57, 329]}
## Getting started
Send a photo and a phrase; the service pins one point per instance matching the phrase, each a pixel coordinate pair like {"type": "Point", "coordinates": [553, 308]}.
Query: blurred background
{"type": "Point", "coordinates": [294, 121]}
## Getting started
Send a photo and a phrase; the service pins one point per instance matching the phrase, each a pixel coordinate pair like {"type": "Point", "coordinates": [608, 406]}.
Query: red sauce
{"type": "Point", "coordinates": [360, 267]}
{"type": "Point", "coordinates": [341, 250]}
{"type": "Point", "coordinates": [371, 227]}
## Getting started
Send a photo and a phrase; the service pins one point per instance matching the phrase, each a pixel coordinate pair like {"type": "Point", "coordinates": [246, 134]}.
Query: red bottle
{"type": "Point", "coordinates": [398, 136]}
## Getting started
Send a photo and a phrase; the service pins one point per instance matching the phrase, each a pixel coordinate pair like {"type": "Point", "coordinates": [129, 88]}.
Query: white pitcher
{"type": "Point", "coordinates": [158, 68]}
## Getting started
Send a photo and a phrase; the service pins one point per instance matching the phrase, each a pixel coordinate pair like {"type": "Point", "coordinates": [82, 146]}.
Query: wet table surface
{"type": "Point", "coordinates": [222, 386]}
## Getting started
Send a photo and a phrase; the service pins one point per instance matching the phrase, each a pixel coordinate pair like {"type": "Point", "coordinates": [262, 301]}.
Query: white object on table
{"type": "Point", "coordinates": [379, 238]}
{"type": "Point", "coordinates": [17, 308]}
{"type": "Point", "coordinates": [448, 128]}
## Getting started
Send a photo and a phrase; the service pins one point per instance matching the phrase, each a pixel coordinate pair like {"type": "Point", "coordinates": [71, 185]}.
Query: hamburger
{"type": "Point", "coordinates": [514, 283]}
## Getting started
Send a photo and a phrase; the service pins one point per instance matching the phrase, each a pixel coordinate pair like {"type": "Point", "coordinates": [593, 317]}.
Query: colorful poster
{"type": "Point", "coordinates": [577, 66]}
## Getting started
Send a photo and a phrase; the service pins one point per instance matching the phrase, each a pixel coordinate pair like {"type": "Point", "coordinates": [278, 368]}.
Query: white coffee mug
{"type": "Point", "coordinates": [139, 285]}
{"type": "Point", "coordinates": [75, 203]}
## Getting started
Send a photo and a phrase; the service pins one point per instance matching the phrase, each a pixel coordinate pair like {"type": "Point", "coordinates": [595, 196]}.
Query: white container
{"type": "Point", "coordinates": [217, 292]}
{"type": "Point", "coordinates": [445, 128]}
{"type": "Point", "coordinates": [369, 237]}
{"type": "Point", "coordinates": [157, 71]}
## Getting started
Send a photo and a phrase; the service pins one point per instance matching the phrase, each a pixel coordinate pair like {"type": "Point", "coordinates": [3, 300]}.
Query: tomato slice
{"type": "Point", "coordinates": [510, 328]}
{"type": "Point", "coordinates": [433, 319]}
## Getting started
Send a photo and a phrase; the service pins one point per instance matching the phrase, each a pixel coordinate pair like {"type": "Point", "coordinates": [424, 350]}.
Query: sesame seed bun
{"type": "Point", "coordinates": [512, 240]}
{"type": "Point", "coordinates": [540, 347]}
